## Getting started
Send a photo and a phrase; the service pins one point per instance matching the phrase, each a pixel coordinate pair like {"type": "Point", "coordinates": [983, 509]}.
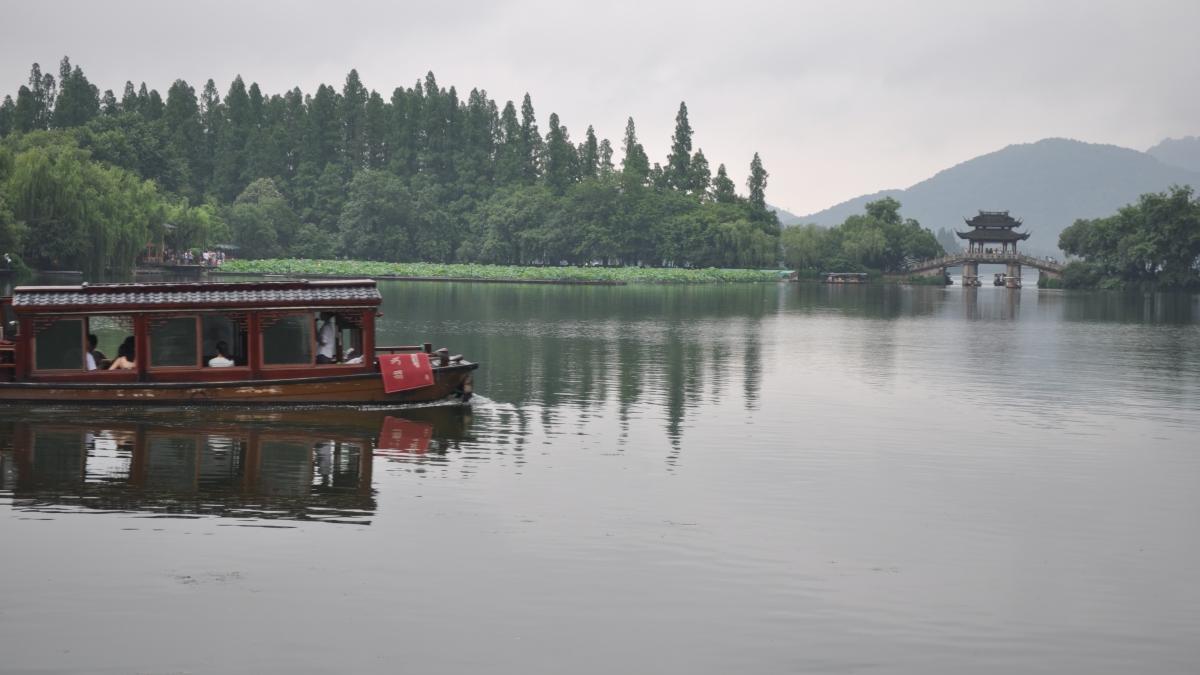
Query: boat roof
{"type": "Point", "coordinates": [197, 295]}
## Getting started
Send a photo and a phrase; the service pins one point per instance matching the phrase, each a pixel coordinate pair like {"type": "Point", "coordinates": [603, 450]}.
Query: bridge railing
{"type": "Point", "coordinates": [1006, 257]}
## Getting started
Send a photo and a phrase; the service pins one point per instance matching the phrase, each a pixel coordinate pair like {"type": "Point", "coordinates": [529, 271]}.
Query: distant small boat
{"type": "Point", "coordinates": [844, 278]}
{"type": "Point", "coordinates": [1006, 280]}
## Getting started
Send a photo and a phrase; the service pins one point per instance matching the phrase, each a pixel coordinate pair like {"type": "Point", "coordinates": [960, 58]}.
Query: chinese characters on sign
{"type": "Point", "coordinates": [402, 372]}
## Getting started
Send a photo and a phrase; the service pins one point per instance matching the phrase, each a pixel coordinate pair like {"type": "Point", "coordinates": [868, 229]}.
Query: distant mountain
{"type": "Point", "coordinates": [1182, 152]}
{"type": "Point", "coordinates": [786, 217]}
{"type": "Point", "coordinates": [1048, 184]}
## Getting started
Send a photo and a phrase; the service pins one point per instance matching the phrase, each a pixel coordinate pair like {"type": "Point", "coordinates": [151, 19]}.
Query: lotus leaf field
{"type": "Point", "coordinates": [365, 268]}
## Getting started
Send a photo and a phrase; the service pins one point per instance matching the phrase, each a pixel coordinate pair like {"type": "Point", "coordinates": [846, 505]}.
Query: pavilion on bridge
{"type": "Point", "coordinates": [990, 228]}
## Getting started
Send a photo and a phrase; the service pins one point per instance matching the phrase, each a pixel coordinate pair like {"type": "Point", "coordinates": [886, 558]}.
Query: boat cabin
{"type": "Point", "coordinates": [845, 277]}
{"type": "Point", "coordinates": [188, 332]}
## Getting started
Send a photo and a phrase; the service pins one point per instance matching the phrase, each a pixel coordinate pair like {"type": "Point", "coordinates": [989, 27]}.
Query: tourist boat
{"type": "Point", "coordinates": [1006, 280]}
{"type": "Point", "coordinates": [284, 342]}
{"type": "Point", "coordinates": [845, 278]}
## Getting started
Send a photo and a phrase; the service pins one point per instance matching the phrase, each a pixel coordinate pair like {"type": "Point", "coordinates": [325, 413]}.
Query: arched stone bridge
{"type": "Point", "coordinates": [972, 260]}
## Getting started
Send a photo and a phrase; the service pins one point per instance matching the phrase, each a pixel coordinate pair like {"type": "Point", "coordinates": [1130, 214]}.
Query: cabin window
{"type": "Point", "coordinates": [339, 337]}
{"type": "Point", "coordinates": [59, 346]}
{"type": "Point", "coordinates": [110, 333]}
{"type": "Point", "coordinates": [173, 342]}
{"type": "Point", "coordinates": [228, 331]}
{"type": "Point", "coordinates": [287, 340]}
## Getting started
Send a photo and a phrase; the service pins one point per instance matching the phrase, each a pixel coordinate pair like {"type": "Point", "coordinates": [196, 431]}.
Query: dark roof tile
{"type": "Point", "coordinates": [230, 295]}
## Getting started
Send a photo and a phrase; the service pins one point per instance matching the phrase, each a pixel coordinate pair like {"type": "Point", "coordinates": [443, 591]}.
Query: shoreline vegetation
{"type": "Point", "coordinates": [1153, 244]}
{"type": "Point", "coordinates": [498, 273]}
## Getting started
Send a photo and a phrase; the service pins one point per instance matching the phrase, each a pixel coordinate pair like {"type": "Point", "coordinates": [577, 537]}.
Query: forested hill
{"type": "Point", "coordinates": [421, 174]}
{"type": "Point", "coordinates": [1182, 152]}
{"type": "Point", "coordinates": [1048, 184]}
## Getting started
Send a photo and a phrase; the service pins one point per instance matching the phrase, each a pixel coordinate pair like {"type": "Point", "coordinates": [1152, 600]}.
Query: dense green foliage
{"type": "Point", "coordinates": [877, 240]}
{"type": "Point", "coordinates": [422, 175]}
{"type": "Point", "coordinates": [1154, 242]}
{"type": "Point", "coordinates": [362, 268]}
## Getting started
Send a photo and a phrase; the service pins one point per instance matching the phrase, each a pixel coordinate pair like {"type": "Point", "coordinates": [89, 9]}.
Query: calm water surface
{"type": "Point", "coordinates": [708, 479]}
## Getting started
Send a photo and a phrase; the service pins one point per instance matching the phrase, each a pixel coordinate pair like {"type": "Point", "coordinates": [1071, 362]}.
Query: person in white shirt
{"type": "Point", "coordinates": [94, 356]}
{"type": "Point", "coordinates": [221, 360]}
{"type": "Point", "coordinates": [327, 339]}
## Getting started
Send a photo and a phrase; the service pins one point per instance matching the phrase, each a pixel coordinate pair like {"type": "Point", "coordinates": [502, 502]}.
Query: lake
{"type": "Point", "coordinates": [755, 478]}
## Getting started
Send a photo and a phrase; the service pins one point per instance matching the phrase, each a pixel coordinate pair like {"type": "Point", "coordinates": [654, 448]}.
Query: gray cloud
{"type": "Point", "coordinates": [840, 98]}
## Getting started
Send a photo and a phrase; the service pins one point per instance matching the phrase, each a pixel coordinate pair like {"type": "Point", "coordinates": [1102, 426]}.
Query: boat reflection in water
{"type": "Point", "coordinates": [256, 464]}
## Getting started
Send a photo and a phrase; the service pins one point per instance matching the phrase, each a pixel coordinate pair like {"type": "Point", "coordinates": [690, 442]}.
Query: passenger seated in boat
{"type": "Point", "coordinates": [221, 360]}
{"type": "Point", "coordinates": [327, 339]}
{"type": "Point", "coordinates": [125, 358]}
{"type": "Point", "coordinates": [94, 356]}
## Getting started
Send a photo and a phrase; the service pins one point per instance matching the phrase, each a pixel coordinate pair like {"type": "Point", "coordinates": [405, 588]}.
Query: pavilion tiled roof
{"type": "Point", "coordinates": [993, 219]}
{"type": "Point", "coordinates": [352, 293]}
{"type": "Point", "coordinates": [993, 234]}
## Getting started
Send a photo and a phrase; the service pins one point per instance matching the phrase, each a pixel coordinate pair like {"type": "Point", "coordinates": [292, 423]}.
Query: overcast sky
{"type": "Point", "coordinates": [840, 98]}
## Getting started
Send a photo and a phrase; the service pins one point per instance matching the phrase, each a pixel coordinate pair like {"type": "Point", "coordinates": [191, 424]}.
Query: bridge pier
{"type": "Point", "coordinates": [1014, 275]}
{"type": "Point", "coordinates": [970, 273]}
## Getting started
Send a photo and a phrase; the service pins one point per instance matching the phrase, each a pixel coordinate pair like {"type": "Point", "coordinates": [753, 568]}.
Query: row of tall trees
{"type": "Point", "coordinates": [421, 175]}
{"type": "Point", "coordinates": [879, 239]}
{"type": "Point", "coordinates": [1154, 242]}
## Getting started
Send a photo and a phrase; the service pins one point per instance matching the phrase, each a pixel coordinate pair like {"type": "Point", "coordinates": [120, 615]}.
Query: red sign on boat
{"type": "Point", "coordinates": [402, 372]}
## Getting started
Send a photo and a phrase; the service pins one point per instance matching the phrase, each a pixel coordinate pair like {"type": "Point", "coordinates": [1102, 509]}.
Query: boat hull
{"type": "Point", "coordinates": [450, 382]}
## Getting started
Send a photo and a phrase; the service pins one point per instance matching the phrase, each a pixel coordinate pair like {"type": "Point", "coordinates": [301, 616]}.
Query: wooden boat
{"type": "Point", "coordinates": [844, 278]}
{"type": "Point", "coordinates": [270, 331]}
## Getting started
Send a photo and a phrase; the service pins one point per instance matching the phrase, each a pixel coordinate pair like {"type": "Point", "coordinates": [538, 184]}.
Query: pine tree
{"type": "Point", "coordinates": [589, 155]}
{"type": "Point", "coordinates": [530, 142]}
{"type": "Point", "coordinates": [757, 184]}
{"type": "Point", "coordinates": [35, 103]}
{"type": "Point", "coordinates": [678, 169]}
{"type": "Point", "coordinates": [212, 121]}
{"type": "Point", "coordinates": [477, 165]}
{"type": "Point", "coordinates": [375, 128]}
{"type": "Point", "coordinates": [508, 154]}
{"type": "Point", "coordinates": [404, 129]}
{"type": "Point", "coordinates": [353, 111]}
{"type": "Point", "coordinates": [154, 106]}
{"type": "Point", "coordinates": [8, 114]}
{"type": "Point", "coordinates": [295, 121]}
{"type": "Point", "coordinates": [560, 157]}
{"type": "Point", "coordinates": [129, 99]}
{"type": "Point", "coordinates": [635, 166]}
{"type": "Point", "coordinates": [230, 159]}
{"type": "Point", "coordinates": [606, 158]}
{"type": "Point", "coordinates": [723, 189]}
{"type": "Point", "coordinates": [78, 100]}
{"type": "Point", "coordinates": [701, 176]}
{"type": "Point", "coordinates": [185, 132]}
{"type": "Point", "coordinates": [109, 106]}
{"type": "Point", "coordinates": [324, 132]}
{"type": "Point", "coordinates": [25, 111]}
